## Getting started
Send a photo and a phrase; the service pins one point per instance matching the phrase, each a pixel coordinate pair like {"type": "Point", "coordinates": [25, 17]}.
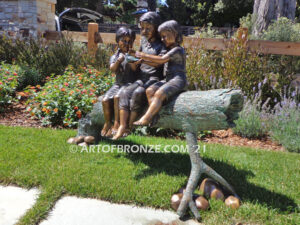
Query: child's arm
{"type": "Point", "coordinates": [114, 66]}
{"type": "Point", "coordinates": [153, 58]}
{"type": "Point", "coordinates": [135, 65]}
{"type": "Point", "coordinates": [150, 63]}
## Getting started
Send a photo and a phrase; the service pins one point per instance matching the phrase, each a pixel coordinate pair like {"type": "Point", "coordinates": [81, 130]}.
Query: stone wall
{"type": "Point", "coordinates": [31, 16]}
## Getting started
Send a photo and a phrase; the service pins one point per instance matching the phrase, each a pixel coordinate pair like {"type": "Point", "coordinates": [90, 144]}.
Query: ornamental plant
{"type": "Point", "coordinates": [8, 82]}
{"type": "Point", "coordinates": [64, 99]}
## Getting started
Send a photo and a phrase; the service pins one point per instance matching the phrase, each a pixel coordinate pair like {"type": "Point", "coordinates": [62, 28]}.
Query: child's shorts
{"type": "Point", "coordinates": [172, 87]}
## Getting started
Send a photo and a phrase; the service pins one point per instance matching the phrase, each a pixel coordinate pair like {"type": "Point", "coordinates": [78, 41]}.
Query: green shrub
{"type": "Point", "coordinates": [8, 82]}
{"type": "Point", "coordinates": [65, 99]}
{"type": "Point", "coordinates": [28, 76]}
{"type": "Point", "coordinates": [8, 50]}
{"type": "Point", "coordinates": [282, 29]}
{"type": "Point", "coordinates": [250, 123]}
{"type": "Point", "coordinates": [234, 67]}
{"type": "Point", "coordinates": [284, 123]}
{"type": "Point", "coordinates": [52, 57]}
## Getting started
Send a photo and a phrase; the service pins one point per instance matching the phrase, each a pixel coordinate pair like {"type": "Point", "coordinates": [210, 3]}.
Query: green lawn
{"type": "Point", "coordinates": [268, 182]}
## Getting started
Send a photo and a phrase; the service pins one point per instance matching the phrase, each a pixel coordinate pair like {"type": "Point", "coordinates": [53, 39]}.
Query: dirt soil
{"type": "Point", "coordinates": [16, 115]}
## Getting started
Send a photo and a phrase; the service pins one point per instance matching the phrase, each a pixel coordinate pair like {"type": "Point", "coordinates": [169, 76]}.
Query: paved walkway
{"type": "Point", "coordinates": [14, 202]}
{"type": "Point", "coordinates": [78, 211]}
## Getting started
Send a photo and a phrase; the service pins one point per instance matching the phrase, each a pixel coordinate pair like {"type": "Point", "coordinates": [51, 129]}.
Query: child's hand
{"type": "Point", "coordinates": [138, 54]}
{"type": "Point", "coordinates": [121, 58]}
{"type": "Point", "coordinates": [138, 62]}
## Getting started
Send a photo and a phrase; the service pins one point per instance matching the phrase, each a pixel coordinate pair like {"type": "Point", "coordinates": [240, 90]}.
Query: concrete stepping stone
{"type": "Point", "coordinates": [78, 211]}
{"type": "Point", "coordinates": [14, 202]}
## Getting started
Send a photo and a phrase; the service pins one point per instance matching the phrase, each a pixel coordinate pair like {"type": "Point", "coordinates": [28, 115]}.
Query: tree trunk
{"type": "Point", "coordinates": [265, 11]}
{"type": "Point", "coordinates": [190, 111]}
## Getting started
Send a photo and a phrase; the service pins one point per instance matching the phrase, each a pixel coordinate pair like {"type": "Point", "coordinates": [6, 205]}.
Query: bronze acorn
{"type": "Point", "coordinates": [210, 189]}
{"type": "Point", "coordinates": [202, 203]}
{"type": "Point", "coordinates": [71, 140]}
{"type": "Point", "coordinates": [232, 202]}
{"type": "Point", "coordinates": [175, 200]}
{"type": "Point", "coordinates": [89, 140]}
{"type": "Point", "coordinates": [79, 139]}
{"type": "Point", "coordinates": [217, 194]}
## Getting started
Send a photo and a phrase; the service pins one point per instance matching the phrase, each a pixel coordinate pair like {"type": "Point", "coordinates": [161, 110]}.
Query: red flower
{"type": "Point", "coordinates": [66, 84]}
{"type": "Point", "coordinates": [10, 78]}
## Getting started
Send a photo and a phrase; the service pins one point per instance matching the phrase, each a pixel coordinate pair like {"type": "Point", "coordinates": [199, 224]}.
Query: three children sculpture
{"type": "Point", "coordinates": [158, 75]}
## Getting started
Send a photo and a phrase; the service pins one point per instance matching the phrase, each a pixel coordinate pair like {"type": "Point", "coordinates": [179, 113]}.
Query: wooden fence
{"type": "Point", "coordinates": [93, 37]}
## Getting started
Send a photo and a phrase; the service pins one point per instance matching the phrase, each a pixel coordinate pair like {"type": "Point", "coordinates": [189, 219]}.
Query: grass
{"type": "Point", "coordinates": [267, 182]}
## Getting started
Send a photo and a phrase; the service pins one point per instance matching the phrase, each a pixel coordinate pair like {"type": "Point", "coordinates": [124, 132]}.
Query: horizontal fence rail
{"type": "Point", "coordinates": [93, 37]}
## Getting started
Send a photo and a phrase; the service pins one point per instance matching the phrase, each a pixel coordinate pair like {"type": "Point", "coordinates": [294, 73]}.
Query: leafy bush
{"type": "Point", "coordinates": [252, 121]}
{"type": "Point", "coordinates": [54, 57]}
{"type": "Point", "coordinates": [284, 123]}
{"type": "Point", "coordinates": [8, 82]}
{"type": "Point", "coordinates": [65, 99]}
{"type": "Point", "coordinates": [235, 67]}
{"type": "Point", "coordinates": [28, 76]}
{"type": "Point", "coordinates": [282, 29]}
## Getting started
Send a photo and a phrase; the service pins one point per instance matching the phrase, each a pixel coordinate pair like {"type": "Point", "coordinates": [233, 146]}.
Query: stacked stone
{"type": "Point", "coordinates": [31, 16]}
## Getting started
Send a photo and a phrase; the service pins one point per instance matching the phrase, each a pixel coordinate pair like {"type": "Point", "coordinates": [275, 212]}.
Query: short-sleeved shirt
{"type": "Point", "coordinates": [176, 64]}
{"type": "Point", "coordinates": [153, 48]}
{"type": "Point", "coordinates": [124, 74]}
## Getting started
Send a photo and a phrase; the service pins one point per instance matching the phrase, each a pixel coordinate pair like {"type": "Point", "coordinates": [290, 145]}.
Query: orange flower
{"type": "Point", "coordinates": [38, 86]}
{"type": "Point", "coordinates": [94, 101]}
{"type": "Point", "coordinates": [45, 103]}
{"type": "Point", "coordinates": [63, 89]}
{"type": "Point", "coordinates": [71, 92]}
{"type": "Point", "coordinates": [55, 110]}
{"type": "Point", "coordinates": [75, 107]}
{"type": "Point", "coordinates": [44, 109]}
{"type": "Point", "coordinates": [78, 113]}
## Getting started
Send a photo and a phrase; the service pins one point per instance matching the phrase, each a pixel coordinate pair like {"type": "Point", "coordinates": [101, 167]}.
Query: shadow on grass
{"type": "Point", "coordinates": [178, 164]}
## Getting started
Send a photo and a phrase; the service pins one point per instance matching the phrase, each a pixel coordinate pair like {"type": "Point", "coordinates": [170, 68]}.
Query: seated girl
{"type": "Point", "coordinates": [125, 75]}
{"type": "Point", "coordinates": [174, 70]}
{"type": "Point", "coordinates": [133, 98]}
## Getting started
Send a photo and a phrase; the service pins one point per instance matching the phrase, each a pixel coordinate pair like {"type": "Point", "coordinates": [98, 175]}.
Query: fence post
{"type": "Point", "coordinates": [93, 29]}
{"type": "Point", "coordinates": [242, 35]}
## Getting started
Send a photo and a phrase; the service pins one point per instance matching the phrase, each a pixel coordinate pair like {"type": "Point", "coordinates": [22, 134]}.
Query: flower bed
{"type": "Point", "coordinates": [64, 99]}
{"type": "Point", "coordinates": [8, 82]}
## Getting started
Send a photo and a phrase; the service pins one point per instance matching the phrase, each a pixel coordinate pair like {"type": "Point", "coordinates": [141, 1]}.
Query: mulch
{"type": "Point", "coordinates": [16, 115]}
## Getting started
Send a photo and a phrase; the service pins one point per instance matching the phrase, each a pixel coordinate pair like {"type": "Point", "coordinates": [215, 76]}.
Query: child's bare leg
{"type": "Point", "coordinates": [124, 115]}
{"type": "Point", "coordinates": [106, 104]}
{"type": "Point", "coordinates": [150, 94]}
{"type": "Point", "coordinates": [153, 109]}
{"type": "Point", "coordinates": [117, 115]}
{"type": "Point", "coordinates": [132, 118]}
